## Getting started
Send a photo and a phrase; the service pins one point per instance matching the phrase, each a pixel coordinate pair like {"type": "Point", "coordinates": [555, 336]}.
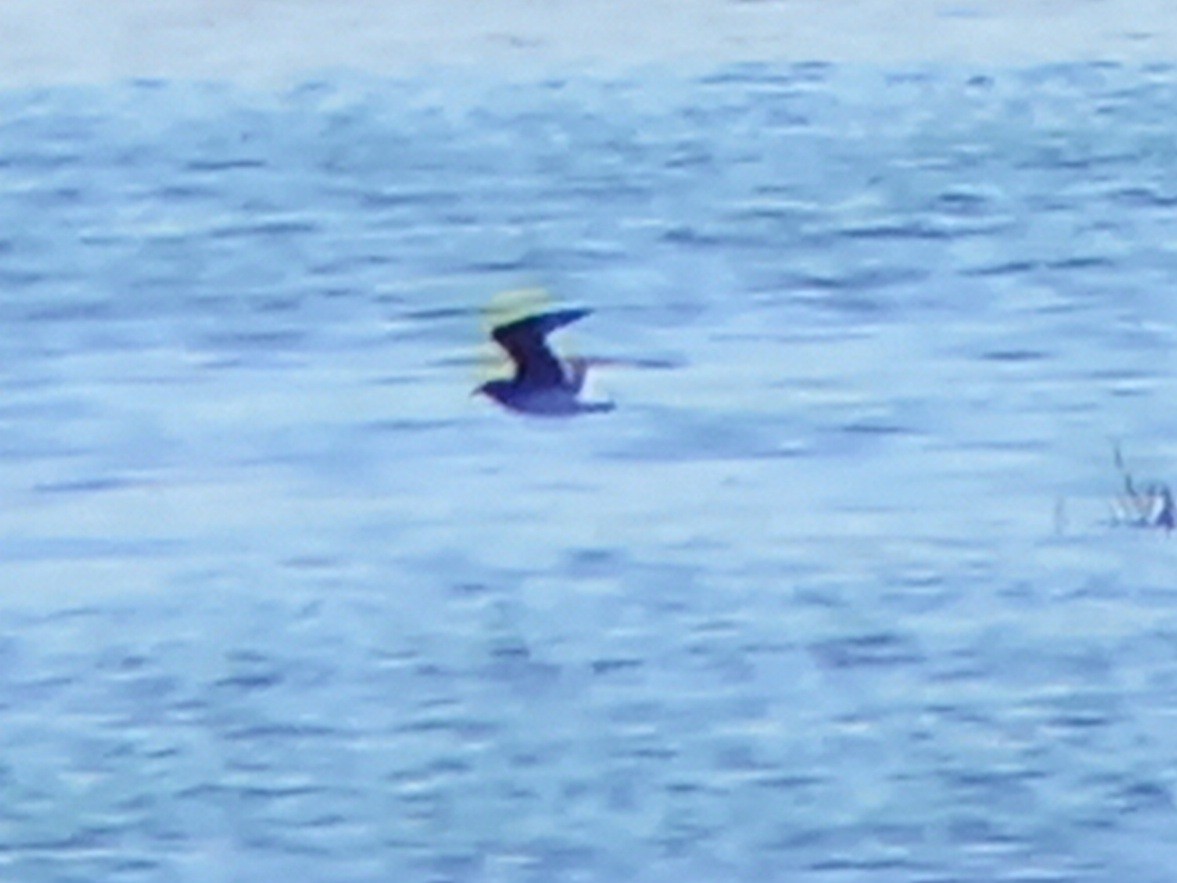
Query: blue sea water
{"type": "Point", "coordinates": [830, 596]}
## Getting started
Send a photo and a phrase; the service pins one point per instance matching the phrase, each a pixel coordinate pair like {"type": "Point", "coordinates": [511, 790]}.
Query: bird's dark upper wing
{"type": "Point", "coordinates": [524, 340]}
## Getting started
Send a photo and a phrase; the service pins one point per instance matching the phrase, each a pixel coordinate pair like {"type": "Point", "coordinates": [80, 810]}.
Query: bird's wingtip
{"type": "Point", "coordinates": [544, 322]}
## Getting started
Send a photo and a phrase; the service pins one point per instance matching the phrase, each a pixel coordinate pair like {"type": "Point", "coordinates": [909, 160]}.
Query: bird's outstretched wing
{"type": "Point", "coordinates": [524, 340]}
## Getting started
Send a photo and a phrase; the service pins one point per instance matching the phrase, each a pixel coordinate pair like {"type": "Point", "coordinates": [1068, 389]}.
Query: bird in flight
{"type": "Point", "coordinates": [544, 384]}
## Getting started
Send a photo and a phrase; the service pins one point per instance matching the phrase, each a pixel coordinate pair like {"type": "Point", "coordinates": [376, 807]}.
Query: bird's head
{"type": "Point", "coordinates": [492, 389]}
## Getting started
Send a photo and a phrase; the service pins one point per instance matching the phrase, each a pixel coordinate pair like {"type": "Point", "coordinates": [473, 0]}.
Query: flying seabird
{"type": "Point", "coordinates": [543, 384]}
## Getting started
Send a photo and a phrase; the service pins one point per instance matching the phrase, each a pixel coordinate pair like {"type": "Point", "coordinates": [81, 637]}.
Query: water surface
{"type": "Point", "coordinates": [834, 599]}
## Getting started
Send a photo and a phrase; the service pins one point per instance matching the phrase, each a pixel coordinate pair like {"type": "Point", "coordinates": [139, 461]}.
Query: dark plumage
{"type": "Point", "coordinates": [543, 383]}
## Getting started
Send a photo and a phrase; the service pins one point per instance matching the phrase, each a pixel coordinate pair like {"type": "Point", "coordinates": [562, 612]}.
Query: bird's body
{"type": "Point", "coordinates": [543, 384]}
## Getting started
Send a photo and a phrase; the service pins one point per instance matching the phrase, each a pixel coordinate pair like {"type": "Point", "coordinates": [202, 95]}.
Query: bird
{"type": "Point", "coordinates": [544, 384]}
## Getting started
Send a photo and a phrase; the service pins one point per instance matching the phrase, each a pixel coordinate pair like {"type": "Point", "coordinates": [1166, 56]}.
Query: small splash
{"type": "Point", "coordinates": [1148, 505]}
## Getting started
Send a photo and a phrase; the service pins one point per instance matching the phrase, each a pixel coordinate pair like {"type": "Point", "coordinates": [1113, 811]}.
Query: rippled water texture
{"type": "Point", "coordinates": [834, 599]}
